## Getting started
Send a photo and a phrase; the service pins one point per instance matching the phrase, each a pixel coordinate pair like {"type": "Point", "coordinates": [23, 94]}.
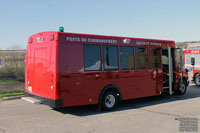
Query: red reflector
{"type": "Point", "coordinates": [30, 40]}
{"type": "Point", "coordinates": [51, 37]}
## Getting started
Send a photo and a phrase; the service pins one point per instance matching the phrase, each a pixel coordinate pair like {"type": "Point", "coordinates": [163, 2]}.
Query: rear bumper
{"type": "Point", "coordinates": [58, 103]}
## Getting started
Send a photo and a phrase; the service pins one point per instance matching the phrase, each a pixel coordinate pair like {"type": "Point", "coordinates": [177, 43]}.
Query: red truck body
{"type": "Point", "coordinates": [56, 72]}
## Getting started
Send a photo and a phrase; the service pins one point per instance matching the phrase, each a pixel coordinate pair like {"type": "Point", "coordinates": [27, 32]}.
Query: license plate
{"type": "Point", "coordinates": [29, 88]}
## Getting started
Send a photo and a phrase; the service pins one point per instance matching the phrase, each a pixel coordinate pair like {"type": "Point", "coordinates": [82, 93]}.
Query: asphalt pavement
{"type": "Point", "coordinates": [159, 114]}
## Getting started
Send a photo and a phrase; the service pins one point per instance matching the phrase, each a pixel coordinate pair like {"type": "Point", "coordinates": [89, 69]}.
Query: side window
{"type": "Point", "coordinates": [165, 59]}
{"type": "Point", "coordinates": [188, 59]}
{"type": "Point", "coordinates": [178, 57]}
{"type": "Point", "coordinates": [155, 57]}
{"type": "Point", "coordinates": [92, 57]}
{"type": "Point", "coordinates": [110, 57]}
{"type": "Point", "coordinates": [127, 58]}
{"type": "Point", "coordinates": [196, 56]}
{"type": "Point", "coordinates": [141, 57]}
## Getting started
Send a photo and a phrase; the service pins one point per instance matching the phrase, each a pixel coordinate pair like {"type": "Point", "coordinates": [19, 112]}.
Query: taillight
{"type": "Point", "coordinates": [52, 80]}
{"type": "Point", "coordinates": [27, 77]}
{"type": "Point", "coordinates": [27, 80]}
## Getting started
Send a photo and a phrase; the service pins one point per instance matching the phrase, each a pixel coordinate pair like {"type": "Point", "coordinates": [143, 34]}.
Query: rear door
{"type": "Point", "coordinates": [39, 71]}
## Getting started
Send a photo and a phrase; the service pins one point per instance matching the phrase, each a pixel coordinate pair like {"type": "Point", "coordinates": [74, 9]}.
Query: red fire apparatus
{"type": "Point", "coordinates": [69, 69]}
{"type": "Point", "coordinates": [193, 52]}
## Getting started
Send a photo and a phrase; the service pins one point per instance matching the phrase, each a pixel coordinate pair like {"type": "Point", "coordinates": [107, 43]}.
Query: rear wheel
{"type": "Point", "coordinates": [197, 79]}
{"type": "Point", "coordinates": [109, 100]}
{"type": "Point", "coordinates": [181, 89]}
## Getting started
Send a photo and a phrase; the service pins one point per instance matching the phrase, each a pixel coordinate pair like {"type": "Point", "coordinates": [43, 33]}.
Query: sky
{"type": "Point", "coordinates": [177, 20]}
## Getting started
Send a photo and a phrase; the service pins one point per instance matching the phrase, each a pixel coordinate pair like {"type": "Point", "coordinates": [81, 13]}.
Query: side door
{"type": "Point", "coordinates": [145, 77]}
{"type": "Point", "coordinates": [168, 66]}
{"type": "Point", "coordinates": [155, 68]}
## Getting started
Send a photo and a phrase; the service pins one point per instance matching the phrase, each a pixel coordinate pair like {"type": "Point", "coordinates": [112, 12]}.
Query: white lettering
{"type": "Point", "coordinates": [158, 44]}
{"type": "Point", "coordinates": [142, 43]}
{"type": "Point", "coordinates": [194, 51]}
{"type": "Point", "coordinates": [73, 39]}
{"type": "Point", "coordinates": [102, 41]}
{"type": "Point", "coordinates": [83, 39]}
{"type": "Point", "coordinates": [92, 40]}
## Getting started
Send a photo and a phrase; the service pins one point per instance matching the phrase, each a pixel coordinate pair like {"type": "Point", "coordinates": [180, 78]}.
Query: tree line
{"type": "Point", "coordinates": [12, 63]}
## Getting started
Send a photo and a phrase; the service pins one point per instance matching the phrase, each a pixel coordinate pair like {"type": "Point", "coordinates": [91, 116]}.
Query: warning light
{"type": "Point", "coordinates": [61, 29]}
{"type": "Point", "coordinates": [127, 41]}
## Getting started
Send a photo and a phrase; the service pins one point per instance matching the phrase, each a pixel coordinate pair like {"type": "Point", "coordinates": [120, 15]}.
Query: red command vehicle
{"type": "Point", "coordinates": [189, 53]}
{"type": "Point", "coordinates": [69, 69]}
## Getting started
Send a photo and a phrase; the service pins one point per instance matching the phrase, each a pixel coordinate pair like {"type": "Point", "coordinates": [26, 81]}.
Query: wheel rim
{"type": "Point", "coordinates": [197, 80]}
{"type": "Point", "coordinates": [110, 101]}
{"type": "Point", "coordinates": [182, 87]}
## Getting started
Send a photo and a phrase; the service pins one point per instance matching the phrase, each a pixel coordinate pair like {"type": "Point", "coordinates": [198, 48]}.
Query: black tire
{"type": "Point", "coordinates": [109, 101]}
{"type": "Point", "coordinates": [197, 79]}
{"type": "Point", "coordinates": [181, 89]}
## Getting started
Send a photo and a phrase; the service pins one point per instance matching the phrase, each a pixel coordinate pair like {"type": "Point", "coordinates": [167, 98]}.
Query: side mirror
{"type": "Point", "coordinates": [192, 61]}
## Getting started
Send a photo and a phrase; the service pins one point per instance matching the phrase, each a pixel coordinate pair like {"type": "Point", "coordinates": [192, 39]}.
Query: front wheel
{"type": "Point", "coordinates": [181, 89]}
{"type": "Point", "coordinates": [197, 79]}
{"type": "Point", "coordinates": [109, 101]}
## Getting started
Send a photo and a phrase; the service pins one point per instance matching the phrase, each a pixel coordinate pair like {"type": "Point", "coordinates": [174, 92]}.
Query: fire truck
{"type": "Point", "coordinates": [192, 53]}
{"type": "Point", "coordinates": [70, 69]}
